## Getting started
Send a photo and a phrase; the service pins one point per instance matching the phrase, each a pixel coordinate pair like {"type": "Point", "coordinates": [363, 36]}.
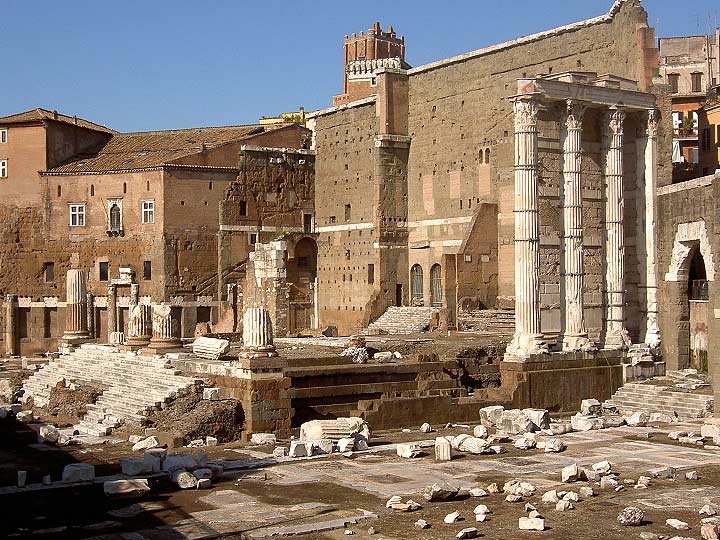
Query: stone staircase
{"type": "Point", "coordinates": [135, 384]}
{"type": "Point", "coordinates": [633, 397]}
{"type": "Point", "coordinates": [499, 322]}
{"type": "Point", "coordinates": [402, 320]}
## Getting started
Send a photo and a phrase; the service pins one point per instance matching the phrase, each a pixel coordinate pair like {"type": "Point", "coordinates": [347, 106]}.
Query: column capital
{"type": "Point", "coordinates": [614, 121]}
{"type": "Point", "coordinates": [651, 123]}
{"type": "Point", "coordinates": [526, 110]}
{"type": "Point", "coordinates": [573, 113]}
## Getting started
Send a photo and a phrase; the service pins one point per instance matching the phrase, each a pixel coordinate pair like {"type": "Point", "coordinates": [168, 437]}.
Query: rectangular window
{"type": "Point", "coordinates": [115, 215]}
{"type": "Point", "coordinates": [347, 212]}
{"type": "Point", "coordinates": [49, 271]}
{"type": "Point", "coordinates": [696, 82]}
{"type": "Point", "coordinates": [674, 82]}
{"type": "Point", "coordinates": [3, 136]}
{"type": "Point", "coordinates": [243, 208]}
{"type": "Point", "coordinates": [104, 270]}
{"type": "Point", "coordinates": [252, 238]}
{"type": "Point", "coordinates": [307, 223]}
{"type": "Point", "coordinates": [77, 215]}
{"type": "Point", "coordinates": [147, 270]}
{"type": "Point", "coordinates": [148, 211]}
{"type": "Point", "coordinates": [371, 273]}
{"type": "Point", "coordinates": [332, 219]}
{"type": "Point", "coordinates": [3, 168]}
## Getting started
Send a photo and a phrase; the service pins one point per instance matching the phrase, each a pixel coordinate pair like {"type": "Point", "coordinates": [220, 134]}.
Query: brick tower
{"type": "Point", "coordinates": [363, 55]}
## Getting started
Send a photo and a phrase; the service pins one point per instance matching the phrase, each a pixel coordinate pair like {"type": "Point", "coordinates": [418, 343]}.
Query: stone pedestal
{"type": "Point", "coordinates": [574, 336]}
{"type": "Point", "coordinates": [139, 327]}
{"type": "Point", "coordinates": [76, 330]}
{"type": "Point", "coordinates": [165, 331]}
{"type": "Point", "coordinates": [528, 338]}
{"type": "Point", "coordinates": [615, 334]}
{"type": "Point", "coordinates": [257, 334]}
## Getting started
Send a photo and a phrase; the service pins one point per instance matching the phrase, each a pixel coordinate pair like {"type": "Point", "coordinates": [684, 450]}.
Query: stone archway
{"type": "Point", "coordinates": [685, 314]}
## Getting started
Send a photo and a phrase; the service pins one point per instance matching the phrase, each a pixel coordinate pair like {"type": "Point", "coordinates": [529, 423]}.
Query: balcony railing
{"type": "Point", "coordinates": [685, 133]}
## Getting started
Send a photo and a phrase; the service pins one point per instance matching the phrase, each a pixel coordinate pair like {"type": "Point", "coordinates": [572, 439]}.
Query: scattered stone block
{"type": "Point", "coordinates": [531, 524]}
{"type": "Point", "coordinates": [170, 440]}
{"type": "Point", "coordinates": [692, 475]}
{"type": "Point", "coordinates": [481, 509]}
{"type": "Point", "coordinates": [173, 462]}
{"type": "Point", "coordinates": [395, 499]}
{"type": "Point", "coordinates": [202, 473]}
{"type": "Point", "coordinates": [558, 428]}
{"type": "Point", "coordinates": [649, 536]}
{"type": "Point", "coordinates": [519, 487]}
{"type": "Point", "coordinates": [630, 516]}
{"type": "Point", "coordinates": [490, 416]}
{"type": "Point", "coordinates": [297, 449]}
{"type": "Point", "coordinates": [539, 417]}
{"type": "Point", "coordinates": [590, 407]}
{"type": "Point", "coordinates": [440, 492]}
{"type": "Point", "coordinates": [443, 449]}
{"type": "Point", "coordinates": [481, 432]}
{"type": "Point", "coordinates": [492, 488]}
{"type": "Point", "coordinates": [571, 496]}
{"type": "Point", "coordinates": [24, 416]}
{"type": "Point", "coordinates": [211, 441]}
{"type": "Point", "coordinates": [675, 435]}
{"type": "Point", "coordinates": [479, 492]}
{"type": "Point", "coordinates": [691, 439]}
{"type": "Point", "coordinates": [602, 467]}
{"type": "Point", "coordinates": [589, 475]}
{"type": "Point", "coordinates": [495, 449]}
{"type": "Point", "coordinates": [554, 445]}
{"type": "Point", "coordinates": [550, 497]}
{"type": "Point", "coordinates": [135, 486]}
{"type": "Point", "coordinates": [472, 445]}
{"type": "Point", "coordinates": [707, 510]}
{"type": "Point", "coordinates": [340, 428]}
{"type": "Point", "coordinates": [210, 348]}
{"type": "Point", "coordinates": [609, 482]}
{"type": "Point", "coordinates": [78, 472]}
{"type": "Point", "coordinates": [612, 421]}
{"type": "Point", "coordinates": [421, 524]}
{"type": "Point", "coordinates": [570, 473]}
{"type": "Point", "coordinates": [637, 419]}
{"type": "Point", "coordinates": [263, 438]}
{"type": "Point", "coordinates": [586, 492]}
{"type": "Point", "coordinates": [133, 466]}
{"type": "Point", "coordinates": [211, 394]}
{"type": "Point", "coordinates": [48, 433]}
{"type": "Point", "coordinates": [515, 421]}
{"type": "Point", "coordinates": [151, 431]}
{"type": "Point", "coordinates": [146, 444]}
{"type": "Point", "coordinates": [452, 517]}
{"type": "Point", "coordinates": [408, 450]}
{"type": "Point", "coordinates": [133, 439]}
{"type": "Point", "coordinates": [677, 524]}
{"type": "Point", "coordinates": [563, 506]}
{"type": "Point", "coordinates": [468, 532]}
{"type": "Point", "coordinates": [525, 443]}
{"type": "Point", "coordinates": [658, 417]}
{"type": "Point", "coordinates": [323, 446]}
{"type": "Point", "coordinates": [426, 428]}
{"type": "Point", "coordinates": [184, 480]}
{"type": "Point", "coordinates": [580, 422]}
{"type": "Point", "coordinates": [346, 445]}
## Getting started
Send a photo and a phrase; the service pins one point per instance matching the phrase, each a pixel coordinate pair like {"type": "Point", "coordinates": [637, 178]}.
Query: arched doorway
{"type": "Point", "coordinates": [436, 288]}
{"type": "Point", "coordinates": [416, 285]}
{"type": "Point", "coordinates": [301, 279]}
{"type": "Point", "coordinates": [697, 291]}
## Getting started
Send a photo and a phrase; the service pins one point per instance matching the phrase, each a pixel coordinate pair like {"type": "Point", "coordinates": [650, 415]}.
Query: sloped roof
{"type": "Point", "coordinates": [38, 115]}
{"type": "Point", "coordinates": [150, 149]}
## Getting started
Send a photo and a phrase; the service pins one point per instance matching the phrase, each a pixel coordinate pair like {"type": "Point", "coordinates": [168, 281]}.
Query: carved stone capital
{"type": "Point", "coordinates": [652, 121]}
{"type": "Point", "coordinates": [574, 112]}
{"type": "Point", "coordinates": [526, 110]}
{"type": "Point", "coordinates": [614, 122]}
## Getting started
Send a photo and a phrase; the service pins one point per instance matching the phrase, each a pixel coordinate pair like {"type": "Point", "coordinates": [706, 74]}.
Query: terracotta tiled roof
{"type": "Point", "coordinates": [144, 150]}
{"type": "Point", "coordinates": [37, 115]}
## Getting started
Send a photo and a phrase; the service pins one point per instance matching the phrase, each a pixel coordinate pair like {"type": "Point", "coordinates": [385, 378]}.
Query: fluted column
{"type": "Point", "coordinates": [90, 304]}
{"type": "Point", "coordinates": [165, 329]}
{"type": "Point", "coordinates": [528, 338]}
{"type": "Point", "coordinates": [75, 307]}
{"type": "Point", "coordinates": [574, 335]}
{"type": "Point", "coordinates": [11, 348]}
{"type": "Point", "coordinates": [652, 330]}
{"type": "Point", "coordinates": [257, 333]}
{"type": "Point", "coordinates": [111, 311]}
{"type": "Point", "coordinates": [139, 325]}
{"type": "Point", "coordinates": [615, 336]}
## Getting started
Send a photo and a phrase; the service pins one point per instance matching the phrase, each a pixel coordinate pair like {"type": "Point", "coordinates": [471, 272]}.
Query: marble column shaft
{"type": "Point", "coordinates": [10, 323]}
{"type": "Point", "coordinates": [528, 337]}
{"type": "Point", "coordinates": [111, 311]}
{"type": "Point", "coordinates": [574, 333]}
{"type": "Point", "coordinates": [76, 305]}
{"type": "Point", "coordinates": [616, 336]}
{"type": "Point", "coordinates": [257, 328]}
{"type": "Point", "coordinates": [652, 330]}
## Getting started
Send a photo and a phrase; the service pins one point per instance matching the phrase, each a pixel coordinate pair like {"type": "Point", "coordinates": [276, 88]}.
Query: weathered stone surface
{"type": "Point", "coordinates": [525, 443]}
{"type": "Point", "coordinates": [590, 407]}
{"type": "Point", "coordinates": [710, 531]}
{"type": "Point", "coordinates": [48, 433]}
{"type": "Point", "coordinates": [586, 492]}
{"type": "Point", "coordinates": [452, 517]}
{"type": "Point", "coordinates": [554, 445]}
{"type": "Point", "coordinates": [658, 417]}
{"type": "Point", "coordinates": [677, 524]}
{"type": "Point", "coordinates": [346, 445]}
{"type": "Point", "coordinates": [479, 492]}
{"type": "Point", "coordinates": [136, 486]}
{"type": "Point", "coordinates": [558, 428]}
{"type": "Point", "coordinates": [692, 475]}
{"type": "Point", "coordinates": [426, 428]}
{"type": "Point", "coordinates": [531, 524]}
{"type": "Point", "coordinates": [513, 498]}
{"type": "Point", "coordinates": [473, 445]}
{"type": "Point", "coordinates": [183, 479]}
{"type": "Point", "coordinates": [563, 506]}
{"type": "Point", "coordinates": [571, 473]}
{"type": "Point", "coordinates": [211, 394]}
{"type": "Point", "coordinates": [210, 348]}
{"type": "Point", "coordinates": [609, 482]}
{"type": "Point", "coordinates": [202, 473]}
{"type": "Point", "coordinates": [550, 497]}
{"type": "Point", "coordinates": [581, 422]}
{"type": "Point", "coordinates": [24, 416]}
{"type": "Point", "coordinates": [571, 496]}
{"type": "Point", "coordinates": [612, 421]}
{"type": "Point", "coordinates": [515, 421]}
{"type": "Point", "coordinates": [481, 432]}
{"type": "Point", "coordinates": [492, 488]}
{"type": "Point", "coordinates": [468, 532]}
{"type": "Point", "coordinates": [134, 466]}
{"type": "Point", "coordinates": [263, 438]}
{"type": "Point", "coordinates": [408, 450]}
{"type": "Point", "coordinates": [630, 516]}
{"type": "Point", "coordinates": [421, 524]}
{"type": "Point", "coordinates": [440, 492]}
{"type": "Point", "coordinates": [602, 467]}
{"type": "Point", "coordinates": [173, 462]}
{"type": "Point", "coordinates": [637, 419]}
{"type": "Point", "coordinates": [78, 472]}
{"type": "Point", "coordinates": [211, 441]}
{"type": "Point", "coordinates": [490, 416]}
{"type": "Point", "coordinates": [519, 487]}
{"type": "Point", "coordinates": [340, 428]}
{"type": "Point", "coordinates": [298, 449]}
{"type": "Point", "coordinates": [146, 444]}
{"type": "Point", "coordinates": [707, 510]}
{"type": "Point", "coordinates": [539, 417]}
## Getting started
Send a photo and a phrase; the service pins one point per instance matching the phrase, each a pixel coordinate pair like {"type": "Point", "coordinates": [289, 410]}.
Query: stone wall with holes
{"type": "Point", "coordinates": [687, 212]}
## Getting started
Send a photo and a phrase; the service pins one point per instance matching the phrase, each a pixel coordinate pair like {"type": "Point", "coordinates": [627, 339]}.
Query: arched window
{"type": "Point", "coordinates": [124, 187]}
{"type": "Point", "coordinates": [416, 282]}
{"type": "Point", "coordinates": [487, 155]}
{"type": "Point", "coordinates": [59, 191]}
{"type": "Point", "coordinates": [115, 217]}
{"type": "Point", "coordinates": [92, 190]}
{"type": "Point", "coordinates": [697, 277]}
{"type": "Point", "coordinates": [436, 289]}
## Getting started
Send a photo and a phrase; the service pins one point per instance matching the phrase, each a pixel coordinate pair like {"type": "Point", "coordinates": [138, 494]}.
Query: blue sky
{"type": "Point", "coordinates": [161, 64]}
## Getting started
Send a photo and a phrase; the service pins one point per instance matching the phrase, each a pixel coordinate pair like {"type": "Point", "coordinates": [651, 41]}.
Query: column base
{"type": "Point", "coordinates": [134, 344]}
{"type": "Point", "coordinates": [265, 351]}
{"type": "Point", "coordinates": [577, 342]}
{"type": "Point", "coordinates": [76, 338]}
{"type": "Point", "coordinates": [616, 340]}
{"type": "Point", "coordinates": [162, 346]}
{"type": "Point", "coordinates": [524, 345]}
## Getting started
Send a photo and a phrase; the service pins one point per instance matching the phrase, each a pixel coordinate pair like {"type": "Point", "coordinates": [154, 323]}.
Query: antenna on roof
{"type": "Point", "coordinates": [54, 114]}
{"type": "Point", "coordinates": [75, 119]}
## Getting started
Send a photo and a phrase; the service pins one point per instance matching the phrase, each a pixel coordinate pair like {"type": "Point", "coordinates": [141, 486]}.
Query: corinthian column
{"type": "Point", "coordinates": [528, 338]}
{"type": "Point", "coordinates": [652, 330]}
{"type": "Point", "coordinates": [111, 311]}
{"type": "Point", "coordinates": [76, 328]}
{"type": "Point", "coordinates": [616, 336]}
{"type": "Point", "coordinates": [165, 330]}
{"type": "Point", "coordinates": [574, 334]}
